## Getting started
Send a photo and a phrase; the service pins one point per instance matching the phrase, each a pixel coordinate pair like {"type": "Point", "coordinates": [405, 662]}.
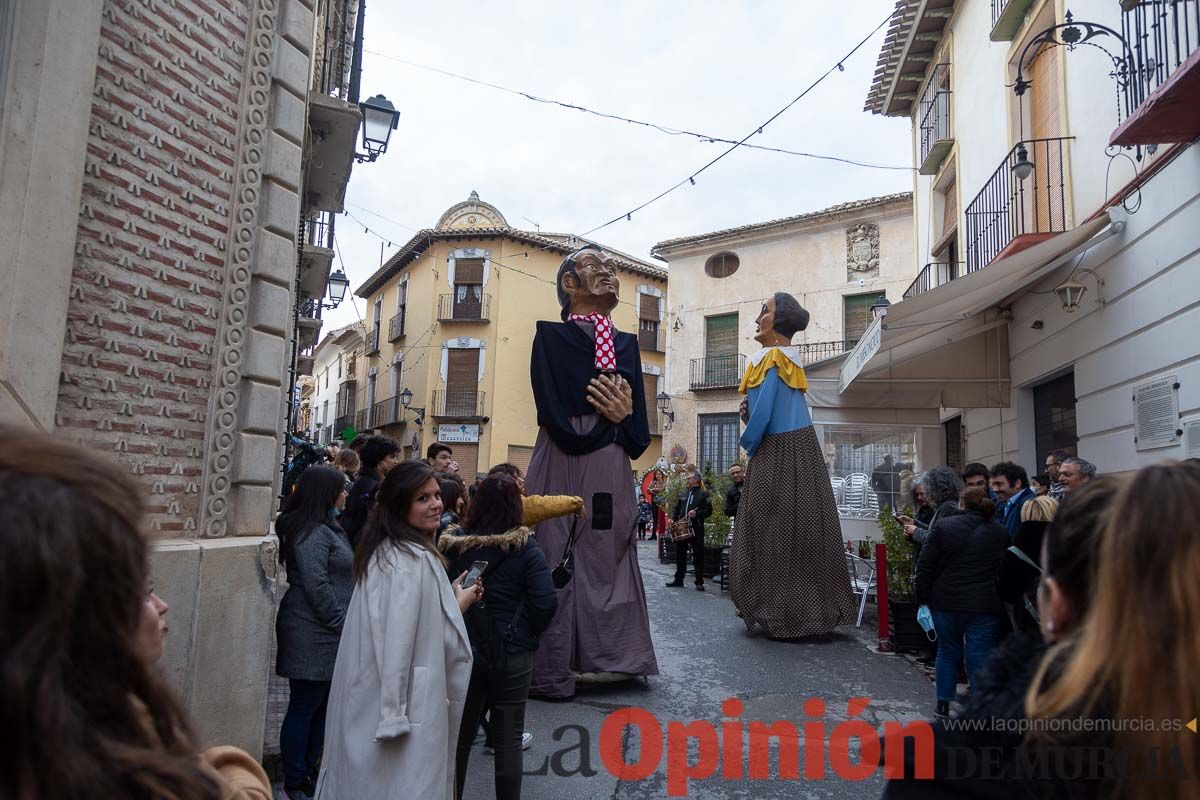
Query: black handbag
{"type": "Point", "coordinates": [565, 570]}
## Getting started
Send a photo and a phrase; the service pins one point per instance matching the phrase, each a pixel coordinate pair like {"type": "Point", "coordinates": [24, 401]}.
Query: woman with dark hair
{"type": "Point", "coordinates": [504, 631]}
{"type": "Point", "coordinates": [787, 568]}
{"type": "Point", "coordinates": [993, 716]}
{"type": "Point", "coordinates": [956, 577]}
{"type": "Point", "coordinates": [454, 501]}
{"type": "Point", "coordinates": [319, 560]}
{"type": "Point", "coordinates": [84, 710]}
{"type": "Point", "coordinates": [404, 661]}
{"type": "Point", "coordinates": [539, 507]}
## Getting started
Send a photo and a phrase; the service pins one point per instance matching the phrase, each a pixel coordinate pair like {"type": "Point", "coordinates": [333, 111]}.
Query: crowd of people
{"type": "Point", "coordinates": [1070, 597]}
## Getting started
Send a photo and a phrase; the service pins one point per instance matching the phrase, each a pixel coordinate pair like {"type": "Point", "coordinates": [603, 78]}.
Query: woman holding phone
{"type": "Point", "coordinates": [404, 662]}
{"type": "Point", "coordinates": [504, 631]}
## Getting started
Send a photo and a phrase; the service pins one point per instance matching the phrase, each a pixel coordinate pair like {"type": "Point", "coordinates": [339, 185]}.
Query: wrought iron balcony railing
{"type": "Point", "coordinates": [385, 412]}
{"type": "Point", "coordinates": [373, 341]}
{"type": "Point", "coordinates": [934, 113]}
{"type": "Point", "coordinates": [1009, 208]}
{"type": "Point", "coordinates": [396, 325]}
{"type": "Point", "coordinates": [361, 420]}
{"type": "Point", "coordinates": [472, 308]}
{"type": "Point", "coordinates": [931, 275]}
{"type": "Point", "coordinates": [1163, 37]}
{"type": "Point", "coordinates": [340, 423]}
{"type": "Point", "coordinates": [464, 403]}
{"type": "Point", "coordinates": [338, 71]}
{"type": "Point", "coordinates": [716, 372]}
{"type": "Point", "coordinates": [652, 340]}
{"type": "Point", "coordinates": [811, 352]}
{"type": "Point", "coordinates": [1007, 18]}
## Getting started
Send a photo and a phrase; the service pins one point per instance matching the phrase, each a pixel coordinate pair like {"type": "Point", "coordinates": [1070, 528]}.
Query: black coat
{"type": "Point", "coordinates": [959, 566]}
{"type": "Point", "coordinates": [994, 760]}
{"type": "Point", "coordinates": [733, 496]}
{"type": "Point", "coordinates": [517, 576]}
{"type": "Point", "coordinates": [1018, 579]}
{"type": "Point", "coordinates": [358, 505]}
{"type": "Point", "coordinates": [701, 503]}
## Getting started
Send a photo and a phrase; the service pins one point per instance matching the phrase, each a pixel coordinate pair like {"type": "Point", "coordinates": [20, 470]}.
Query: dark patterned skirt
{"type": "Point", "coordinates": [787, 566]}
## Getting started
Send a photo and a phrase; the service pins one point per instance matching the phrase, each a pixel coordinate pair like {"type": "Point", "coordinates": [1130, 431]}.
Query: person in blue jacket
{"type": "Point", "coordinates": [787, 566]}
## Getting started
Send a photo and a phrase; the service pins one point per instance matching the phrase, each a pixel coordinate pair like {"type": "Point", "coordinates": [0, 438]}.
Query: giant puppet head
{"type": "Point", "coordinates": [588, 283]}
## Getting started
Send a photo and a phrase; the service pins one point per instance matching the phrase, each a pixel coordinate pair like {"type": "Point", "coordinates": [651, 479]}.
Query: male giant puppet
{"type": "Point", "coordinates": [591, 410]}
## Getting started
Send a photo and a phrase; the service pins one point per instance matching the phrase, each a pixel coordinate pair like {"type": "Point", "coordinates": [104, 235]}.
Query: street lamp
{"type": "Point", "coordinates": [338, 284]}
{"type": "Point", "coordinates": [380, 118]}
{"type": "Point", "coordinates": [879, 307]}
{"type": "Point", "coordinates": [1022, 167]}
{"type": "Point", "coordinates": [664, 408]}
{"type": "Point", "coordinates": [406, 398]}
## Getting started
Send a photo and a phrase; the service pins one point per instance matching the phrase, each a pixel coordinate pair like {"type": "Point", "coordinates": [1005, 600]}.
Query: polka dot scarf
{"type": "Point", "coordinates": [606, 350]}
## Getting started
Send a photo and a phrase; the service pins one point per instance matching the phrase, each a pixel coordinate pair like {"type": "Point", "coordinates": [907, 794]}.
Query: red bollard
{"type": "Point", "coordinates": [881, 594]}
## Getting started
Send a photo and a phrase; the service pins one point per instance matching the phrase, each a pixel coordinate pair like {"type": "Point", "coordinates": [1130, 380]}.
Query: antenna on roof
{"type": "Point", "coordinates": [534, 224]}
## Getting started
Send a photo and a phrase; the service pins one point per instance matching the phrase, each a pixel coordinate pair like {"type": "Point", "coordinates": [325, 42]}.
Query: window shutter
{"type": "Point", "coordinates": [650, 382]}
{"type": "Point", "coordinates": [467, 456]}
{"type": "Point", "coordinates": [858, 314]}
{"type": "Point", "coordinates": [648, 307]}
{"type": "Point", "coordinates": [721, 335]}
{"type": "Point", "coordinates": [468, 270]}
{"type": "Point", "coordinates": [949, 208]}
{"type": "Point", "coordinates": [462, 369]}
{"type": "Point", "coordinates": [519, 455]}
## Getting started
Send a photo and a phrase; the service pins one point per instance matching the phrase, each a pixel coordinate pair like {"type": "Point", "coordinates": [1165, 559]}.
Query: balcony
{"type": "Point", "coordinates": [1009, 214]}
{"type": "Point", "coordinates": [716, 372]}
{"type": "Point", "coordinates": [341, 423]}
{"type": "Point", "coordinates": [396, 325]}
{"type": "Point", "coordinates": [305, 364]}
{"type": "Point", "coordinates": [373, 340]}
{"type": "Point", "coordinates": [316, 255]}
{"type": "Point", "coordinates": [333, 113]}
{"type": "Point", "coordinates": [385, 412]}
{"type": "Point", "coordinates": [458, 403]}
{"type": "Point", "coordinates": [1162, 95]}
{"type": "Point", "coordinates": [361, 420]}
{"type": "Point", "coordinates": [813, 352]}
{"type": "Point", "coordinates": [474, 308]}
{"type": "Point", "coordinates": [933, 111]}
{"type": "Point", "coordinates": [932, 275]}
{"type": "Point", "coordinates": [1007, 18]}
{"type": "Point", "coordinates": [653, 341]}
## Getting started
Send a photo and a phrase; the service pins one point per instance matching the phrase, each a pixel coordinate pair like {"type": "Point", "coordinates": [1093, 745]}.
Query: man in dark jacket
{"type": "Point", "coordinates": [956, 577]}
{"type": "Point", "coordinates": [695, 506]}
{"type": "Point", "coordinates": [1010, 484]}
{"type": "Point", "coordinates": [378, 455]}
{"type": "Point", "coordinates": [733, 495]}
{"type": "Point", "coordinates": [885, 480]}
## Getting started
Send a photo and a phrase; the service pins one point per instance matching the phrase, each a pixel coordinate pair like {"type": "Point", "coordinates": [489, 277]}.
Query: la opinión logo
{"type": "Point", "coordinates": [721, 747]}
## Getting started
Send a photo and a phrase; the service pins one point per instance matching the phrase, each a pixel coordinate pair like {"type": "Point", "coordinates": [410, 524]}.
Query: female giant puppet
{"type": "Point", "coordinates": [591, 411]}
{"type": "Point", "coordinates": [787, 569]}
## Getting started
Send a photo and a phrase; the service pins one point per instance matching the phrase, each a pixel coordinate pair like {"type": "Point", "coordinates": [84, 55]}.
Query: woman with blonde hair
{"type": "Point", "coordinates": [349, 463]}
{"type": "Point", "coordinates": [1134, 657]}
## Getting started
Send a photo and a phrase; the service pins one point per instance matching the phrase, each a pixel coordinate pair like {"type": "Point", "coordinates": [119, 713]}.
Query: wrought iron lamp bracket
{"type": "Point", "coordinates": [1071, 34]}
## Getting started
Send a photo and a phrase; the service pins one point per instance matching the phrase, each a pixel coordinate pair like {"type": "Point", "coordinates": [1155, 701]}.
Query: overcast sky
{"type": "Point", "coordinates": [718, 68]}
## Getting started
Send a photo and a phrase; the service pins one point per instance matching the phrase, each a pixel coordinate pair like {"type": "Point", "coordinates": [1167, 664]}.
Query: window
{"type": "Point", "coordinates": [944, 250]}
{"type": "Point", "coordinates": [519, 455]}
{"type": "Point", "coordinates": [462, 382]}
{"type": "Point", "coordinates": [648, 320]}
{"type": "Point", "coordinates": [721, 350]}
{"type": "Point", "coordinates": [721, 265]}
{"type": "Point", "coordinates": [397, 374]}
{"type": "Point", "coordinates": [339, 366]}
{"type": "Point", "coordinates": [402, 295]}
{"type": "Point", "coordinates": [718, 444]}
{"type": "Point", "coordinates": [468, 288]}
{"type": "Point", "coordinates": [650, 384]}
{"type": "Point", "coordinates": [370, 397]}
{"type": "Point", "coordinates": [858, 315]}
{"type": "Point", "coordinates": [954, 444]}
{"type": "Point", "coordinates": [854, 452]}
{"type": "Point", "coordinates": [1054, 416]}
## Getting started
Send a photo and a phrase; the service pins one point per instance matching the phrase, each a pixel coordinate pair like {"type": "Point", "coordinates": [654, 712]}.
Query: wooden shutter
{"type": "Point", "coordinates": [1046, 194]}
{"type": "Point", "coordinates": [462, 369]}
{"type": "Point", "coordinates": [519, 456]}
{"type": "Point", "coordinates": [648, 307]}
{"type": "Point", "coordinates": [858, 314]}
{"type": "Point", "coordinates": [467, 456]}
{"type": "Point", "coordinates": [651, 384]}
{"type": "Point", "coordinates": [949, 208]}
{"type": "Point", "coordinates": [468, 270]}
{"type": "Point", "coordinates": [721, 335]}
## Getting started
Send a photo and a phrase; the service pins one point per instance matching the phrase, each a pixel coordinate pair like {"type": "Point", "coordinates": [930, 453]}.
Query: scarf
{"type": "Point", "coordinates": [606, 351]}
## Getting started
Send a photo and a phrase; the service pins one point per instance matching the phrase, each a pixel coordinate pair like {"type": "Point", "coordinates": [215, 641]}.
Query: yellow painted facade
{"type": "Point", "coordinates": [418, 285]}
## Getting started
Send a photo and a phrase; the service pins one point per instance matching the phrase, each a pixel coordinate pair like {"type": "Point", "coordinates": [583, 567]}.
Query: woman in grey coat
{"type": "Point", "coordinates": [320, 572]}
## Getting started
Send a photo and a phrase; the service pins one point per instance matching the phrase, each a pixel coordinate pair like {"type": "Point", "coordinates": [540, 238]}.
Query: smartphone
{"type": "Point", "coordinates": [602, 511]}
{"type": "Point", "coordinates": [473, 574]}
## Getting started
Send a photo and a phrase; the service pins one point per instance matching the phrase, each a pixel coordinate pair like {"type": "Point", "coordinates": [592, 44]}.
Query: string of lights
{"type": "Point", "coordinates": [667, 129]}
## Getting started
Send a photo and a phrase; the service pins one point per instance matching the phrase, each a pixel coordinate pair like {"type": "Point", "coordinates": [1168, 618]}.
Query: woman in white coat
{"type": "Point", "coordinates": [404, 662]}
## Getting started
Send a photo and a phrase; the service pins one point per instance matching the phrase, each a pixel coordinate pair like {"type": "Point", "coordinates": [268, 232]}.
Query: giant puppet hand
{"type": "Point", "coordinates": [612, 397]}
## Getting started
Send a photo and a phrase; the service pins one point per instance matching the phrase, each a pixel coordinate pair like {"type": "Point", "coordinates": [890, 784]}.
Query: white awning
{"type": "Point", "coordinates": [948, 346]}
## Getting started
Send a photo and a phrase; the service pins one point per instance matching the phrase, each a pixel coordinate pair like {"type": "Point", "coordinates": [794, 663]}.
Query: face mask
{"type": "Point", "coordinates": [925, 620]}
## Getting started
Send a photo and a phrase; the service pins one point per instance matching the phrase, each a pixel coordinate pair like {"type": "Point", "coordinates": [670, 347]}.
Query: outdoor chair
{"type": "Point", "coordinates": [862, 580]}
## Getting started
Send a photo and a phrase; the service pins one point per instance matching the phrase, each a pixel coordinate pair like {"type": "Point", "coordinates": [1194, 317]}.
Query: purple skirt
{"type": "Point", "coordinates": [602, 624]}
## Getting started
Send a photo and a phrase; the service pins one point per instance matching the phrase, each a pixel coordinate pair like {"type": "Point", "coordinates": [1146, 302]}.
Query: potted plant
{"type": "Point", "coordinates": [906, 633]}
{"type": "Point", "coordinates": [675, 487]}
